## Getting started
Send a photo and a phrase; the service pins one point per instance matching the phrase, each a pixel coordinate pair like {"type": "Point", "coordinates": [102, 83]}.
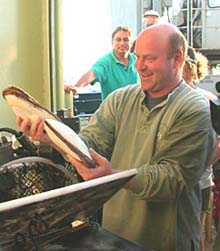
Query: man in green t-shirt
{"type": "Point", "coordinates": [115, 69]}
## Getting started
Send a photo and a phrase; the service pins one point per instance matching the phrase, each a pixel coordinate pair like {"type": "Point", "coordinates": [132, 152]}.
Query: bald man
{"type": "Point", "coordinates": [150, 17]}
{"type": "Point", "coordinates": [162, 128]}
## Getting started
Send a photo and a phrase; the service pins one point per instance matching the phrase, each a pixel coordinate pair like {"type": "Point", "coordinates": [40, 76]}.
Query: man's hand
{"type": "Point", "coordinates": [103, 166]}
{"type": "Point", "coordinates": [71, 88]}
{"type": "Point", "coordinates": [34, 128]}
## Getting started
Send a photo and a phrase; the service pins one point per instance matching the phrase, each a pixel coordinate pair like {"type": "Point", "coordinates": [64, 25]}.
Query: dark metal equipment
{"type": "Point", "coordinates": [86, 103]}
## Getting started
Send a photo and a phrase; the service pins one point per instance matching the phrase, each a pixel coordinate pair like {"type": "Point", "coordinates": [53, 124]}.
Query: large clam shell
{"type": "Point", "coordinates": [68, 141]}
{"type": "Point", "coordinates": [24, 105]}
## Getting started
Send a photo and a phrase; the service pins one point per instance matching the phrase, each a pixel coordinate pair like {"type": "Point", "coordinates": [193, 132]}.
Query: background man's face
{"type": "Point", "coordinates": [150, 20]}
{"type": "Point", "coordinates": [122, 42]}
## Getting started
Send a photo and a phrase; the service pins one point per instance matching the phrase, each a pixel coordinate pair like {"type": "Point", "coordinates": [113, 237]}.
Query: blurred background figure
{"type": "Point", "coordinates": [151, 17]}
{"type": "Point", "coordinates": [115, 69]}
{"type": "Point", "coordinates": [195, 69]}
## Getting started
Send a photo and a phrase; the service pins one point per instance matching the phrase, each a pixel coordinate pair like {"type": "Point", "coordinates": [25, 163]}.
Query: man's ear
{"type": "Point", "coordinates": [178, 58]}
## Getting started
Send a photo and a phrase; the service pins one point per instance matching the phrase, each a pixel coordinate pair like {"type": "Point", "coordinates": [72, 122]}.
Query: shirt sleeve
{"type": "Point", "coordinates": [100, 70]}
{"type": "Point", "coordinates": [99, 134]}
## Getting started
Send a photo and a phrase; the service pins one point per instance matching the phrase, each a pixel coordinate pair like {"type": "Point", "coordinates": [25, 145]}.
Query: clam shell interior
{"type": "Point", "coordinates": [25, 109]}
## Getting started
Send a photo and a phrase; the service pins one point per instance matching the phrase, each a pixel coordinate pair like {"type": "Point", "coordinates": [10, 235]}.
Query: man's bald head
{"type": "Point", "coordinates": [168, 33]}
{"type": "Point", "coordinates": [160, 51]}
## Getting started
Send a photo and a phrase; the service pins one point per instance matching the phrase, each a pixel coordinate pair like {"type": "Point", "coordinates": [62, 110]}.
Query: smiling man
{"type": "Point", "coordinates": [161, 127]}
{"type": "Point", "coordinates": [114, 70]}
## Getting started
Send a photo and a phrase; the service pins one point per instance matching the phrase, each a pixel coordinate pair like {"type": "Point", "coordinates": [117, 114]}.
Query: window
{"type": "Point", "coordinates": [86, 36]}
{"type": "Point", "coordinates": [213, 3]}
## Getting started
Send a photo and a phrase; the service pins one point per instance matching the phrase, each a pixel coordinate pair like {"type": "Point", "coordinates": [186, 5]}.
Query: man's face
{"type": "Point", "coordinates": [122, 42]}
{"type": "Point", "coordinates": [150, 20]}
{"type": "Point", "coordinates": [153, 64]}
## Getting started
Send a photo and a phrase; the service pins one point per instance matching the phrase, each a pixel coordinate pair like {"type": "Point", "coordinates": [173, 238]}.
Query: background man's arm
{"type": "Point", "coordinates": [85, 79]}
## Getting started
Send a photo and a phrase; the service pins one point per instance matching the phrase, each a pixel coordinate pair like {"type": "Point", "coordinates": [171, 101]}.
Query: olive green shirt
{"type": "Point", "coordinates": [170, 145]}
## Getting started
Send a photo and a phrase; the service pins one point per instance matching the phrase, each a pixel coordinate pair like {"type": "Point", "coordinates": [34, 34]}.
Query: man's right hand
{"type": "Point", "coordinates": [70, 88]}
{"type": "Point", "coordinates": [34, 128]}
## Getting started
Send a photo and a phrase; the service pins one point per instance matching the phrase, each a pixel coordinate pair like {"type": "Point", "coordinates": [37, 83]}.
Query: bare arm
{"type": "Point", "coordinates": [85, 79]}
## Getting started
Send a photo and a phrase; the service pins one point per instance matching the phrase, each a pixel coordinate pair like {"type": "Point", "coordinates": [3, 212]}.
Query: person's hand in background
{"type": "Point", "coordinates": [71, 88]}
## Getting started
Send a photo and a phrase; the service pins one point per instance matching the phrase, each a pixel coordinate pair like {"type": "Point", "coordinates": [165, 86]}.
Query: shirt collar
{"type": "Point", "coordinates": [180, 86]}
{"type": "Point", "coordinates": [119, 62]}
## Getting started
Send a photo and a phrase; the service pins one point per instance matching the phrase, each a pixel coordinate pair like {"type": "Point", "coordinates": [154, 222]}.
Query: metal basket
{"type": "Point", "coordinates": [32, 175]}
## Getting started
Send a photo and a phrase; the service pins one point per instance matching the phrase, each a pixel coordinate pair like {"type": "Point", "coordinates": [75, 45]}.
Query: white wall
{"type": "Point", "coordinates": [23, 52]}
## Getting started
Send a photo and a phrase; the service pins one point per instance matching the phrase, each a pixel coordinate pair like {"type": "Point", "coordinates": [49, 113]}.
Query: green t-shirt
{"type": "Point", "coordinates": [112, 74]}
